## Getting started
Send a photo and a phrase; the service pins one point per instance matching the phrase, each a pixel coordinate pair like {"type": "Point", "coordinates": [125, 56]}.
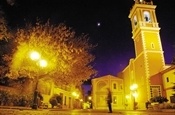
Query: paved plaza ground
{"type": "Point", "coordinates": [23, 111]}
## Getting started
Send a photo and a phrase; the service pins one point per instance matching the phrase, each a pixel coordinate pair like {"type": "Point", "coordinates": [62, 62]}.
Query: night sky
{"type": "Point", "coordinates": [105, 21]}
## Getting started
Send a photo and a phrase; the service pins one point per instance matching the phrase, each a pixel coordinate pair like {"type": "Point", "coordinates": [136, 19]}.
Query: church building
{"type": "Point", "coordinates": [100, 91]}
{"type": "Point", "coordinates": [146, 75]}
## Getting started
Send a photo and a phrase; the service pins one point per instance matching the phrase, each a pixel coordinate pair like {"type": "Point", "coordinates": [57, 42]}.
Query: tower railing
{"type": "Point", "coordinates": [144, 2]}
{"type": "Point", "coordinates": [145, 24]}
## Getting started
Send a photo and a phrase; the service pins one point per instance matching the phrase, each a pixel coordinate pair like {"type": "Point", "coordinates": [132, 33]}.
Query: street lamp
{"type": "Point", "coordinates": [133, 89]}
{"type": "Point", "coordinates": [89, 98]}
{"type": "Point", "coordinates": [42, 63]}
{"type": "Point", "coordinates": [75, 94]}
{"type": "Point", "coordinates": [35, 56]}
{"type": "Point", "coordinates": [126, 100]}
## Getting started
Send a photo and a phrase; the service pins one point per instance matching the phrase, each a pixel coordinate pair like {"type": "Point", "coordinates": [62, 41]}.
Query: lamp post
{"type": "Point", "coordinates": [126, 101]}
{"type": "Point", "coordinates": [35, 56]}
{"type": "Point", "coordinates": [133, 89]}
{"type": "Point", "coordinates": [90, 101]}
{"type": "Point", "coordinates": [75, 97]}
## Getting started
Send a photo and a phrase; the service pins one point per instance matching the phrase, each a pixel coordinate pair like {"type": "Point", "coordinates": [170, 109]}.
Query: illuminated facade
{"type": "Point", "coordinates": [168, 76]}
{"type": "Point", "coordinates": [99, 92]}
{"type": "Point", "coordinates": [70, 96]}
{"type": "Point", "coordinates": [146, 68]}
{"type": "Point", "coordinates": [146, 75]}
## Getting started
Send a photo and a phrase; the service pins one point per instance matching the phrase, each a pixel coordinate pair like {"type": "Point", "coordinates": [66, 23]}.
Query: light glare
{"type": "Point", "coordinates": [34, 55]}
{"type": "Point", "coordinates": [43, 63]}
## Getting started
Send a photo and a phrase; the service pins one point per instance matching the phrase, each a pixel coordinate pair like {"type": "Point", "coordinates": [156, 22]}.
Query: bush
{"type": "Point", "coordinates": [8, 99]}
{"type": "Point", "coordinates": [55, 100]}
{"type": "Point", "coordinates": [3, 97]}
{"type": "Point", "coordinates": [158, 99]}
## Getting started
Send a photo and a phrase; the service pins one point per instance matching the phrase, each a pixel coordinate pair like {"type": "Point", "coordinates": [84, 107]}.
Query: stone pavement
{"type": "Point", "coordinates": [51, 112]}
{"type": "Point", "coordinates": [28, 111]}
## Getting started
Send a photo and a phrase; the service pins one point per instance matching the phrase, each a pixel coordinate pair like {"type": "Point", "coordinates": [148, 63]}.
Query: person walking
{"type": "Point", "coordinates": [109, 101]}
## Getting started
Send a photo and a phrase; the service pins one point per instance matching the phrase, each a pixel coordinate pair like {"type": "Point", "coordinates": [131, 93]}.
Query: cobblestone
{"type": "Point", "coordinates": [27, 112]}
{"type": "Point", "coordinates": [14, 111]}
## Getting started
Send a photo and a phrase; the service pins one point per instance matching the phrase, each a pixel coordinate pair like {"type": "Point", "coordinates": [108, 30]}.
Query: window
{"type": "Point", "coordinates": [146, 16]}
{"type": "Point", "coordinates": [121, 87]}
{"type": "Point", "coordinates": [152, 45]}
{"type": "Point", "coordinates": [114, 86]}
{"type": "Point", "coordinates": [167, 79]}
{"type": "Point", "coordinates": [172, 99]}
{"type": "Point", "coordinates": [155, 91]}
{"type": "Point", "coordinates": [101, 85]}
{"type": "Point", "coordinates": [65, 100]}
{"type": "Point", "coordinates": [135, 20]}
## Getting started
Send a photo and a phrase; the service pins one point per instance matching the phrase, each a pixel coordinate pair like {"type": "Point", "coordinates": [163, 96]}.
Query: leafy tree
{"type": "Point", "coordinates": [67, 54]}
{"type": "Point", "coordinates": [4, 34]}
{"type": "Point", "coordinates": [5, 48]}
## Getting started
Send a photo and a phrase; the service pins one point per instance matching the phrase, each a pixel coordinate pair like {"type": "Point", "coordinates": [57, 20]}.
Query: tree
{"type": "Point", "coordinates": [5, 48]}
{"type": "Point", "coordinates": [3, 27]}
{"type": "Point", "coordinates": [67, 54]}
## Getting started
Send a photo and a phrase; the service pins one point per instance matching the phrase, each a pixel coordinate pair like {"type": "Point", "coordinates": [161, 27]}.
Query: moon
{"type": "Point", "coordinates": [98, 24]}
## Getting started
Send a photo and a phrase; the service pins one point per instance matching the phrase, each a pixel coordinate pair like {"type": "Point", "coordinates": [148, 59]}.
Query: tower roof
{"type": "Point", "coordinates": [144, 2]}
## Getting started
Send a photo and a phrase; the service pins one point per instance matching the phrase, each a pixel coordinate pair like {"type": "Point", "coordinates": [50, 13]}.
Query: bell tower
{"type": "Point", "coordinates": [149, 58]}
